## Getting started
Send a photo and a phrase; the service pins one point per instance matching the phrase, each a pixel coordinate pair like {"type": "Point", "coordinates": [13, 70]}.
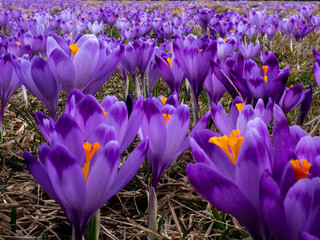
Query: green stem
{"type": "Point", "coordinates": [152, 216]}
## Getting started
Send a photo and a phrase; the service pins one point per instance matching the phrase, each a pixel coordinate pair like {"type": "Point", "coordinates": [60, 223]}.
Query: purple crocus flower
{"type": "Point", "coordinates": [96, 27]}
{"type": "Point", "coordinates": [255, 198]}
{"type": "Point", "coordinates": [250, 51]}
{"type": "Point", "coordinates": [257, 18]}
{"type": "Point", "coordinates": [115, 114]}
{"type": "Point", "coordinates": [306, 12]}
{"type": "Point", "coordinates": [128, 34]}
{"type": "Point", "coordinates": [240, 115]}
{"type": "Point", "coordinates": [37, 77]}
{"type": "Point", "coordinates": [166, 126]}
{"type": "Point", "coordinates": [171, 72]}
{"type": "Point", "coordinates": [9, 82]}
{"type": "Point", "coordinates": [195, 62]}
{"type": "Point", "coordinates": [86, 64]}
{"type": "Point", "coordinates": [204, 17]}
{"type": "Point", "coordinates": [214, 88]}
{"type": "Point", "coordinates": [301, 30]}
{"type": "Point", "coordinates": [80, 168]}
{"type": "Point", "coordinates": [316, 67]}
{"type": "Point", "coordinates": [4, 20]}
{"type": "Point", "coordinates": [225, 47]}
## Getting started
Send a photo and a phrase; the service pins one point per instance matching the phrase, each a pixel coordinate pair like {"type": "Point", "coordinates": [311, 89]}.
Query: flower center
{"type": "Point", "coordinates": [164, 100]}
{"type": "Point", "coordinates": [229, 144]}
{"type": "Point", "coordinates": [166, 117]}
{"type": "Point", "coordinates": [169, 60]}
{"type": "Point", "coordinates": [90, 150]}
{"type": "Point", "coordinates": [240, 106]}
{"type": "Point", "coordinates": [18, 43]}
{"type": "Point", "coordinates": [265, 70]}
{"type": "Point", "coordinates": [74, 49]}
{"type": "Point", "coordinates": [104, 113]}
{"type": "Point", "coordinates": [300, 168]}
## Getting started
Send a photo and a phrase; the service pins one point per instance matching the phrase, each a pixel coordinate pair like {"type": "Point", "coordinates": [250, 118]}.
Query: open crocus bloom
{"type": "Point", "coordinates": [79, 169]}
{"type": "Point", "coordinates": [231, 173]}
{"type": "Point", "coordinates": [166, 126]}
{"type": "Point", "coordinates": [85, 65]}
{"type": "Point", "coordinates": [111, 112]}
{"type": "Point", "coordinates": [240, 115]}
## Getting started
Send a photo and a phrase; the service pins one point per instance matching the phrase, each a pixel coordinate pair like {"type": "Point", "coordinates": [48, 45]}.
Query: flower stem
{"type": "Point", "coordinates": [152, 216]}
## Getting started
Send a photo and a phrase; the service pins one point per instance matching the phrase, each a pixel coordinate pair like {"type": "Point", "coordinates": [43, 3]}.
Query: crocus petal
{"type": "Point", "coordinates": [68, 133]}
{"type": "Point", "coordinates": [134, 123]}
{"type": "Point", "coordinates": [221, 119]}
{"type": "Point", "coordinates": [71, 191]}
{"type": "Point", "coordinates": [302, 207]}
{"type": "Point", "coordinates": [85, 61]}
{"type": "Point", "coordinates": [281, 142]}
{"type": "Point", "coordinates": [129, 168]}
{"type": "Point", "coordinates": [316, 69]}
{"type": "Point", "coordinates": [73, 99]}
{"type": "Point", "coordinates": [253, 155]}
{"type": "Point", "coordinates": [46, 125]}
{"type": "Point", "coordinates": [307, 236]}
{"type": "Point", "coordinates": [225, 195]}
{"type": "Point", "coordinates": [273, 208]}
{"type": "Point", "coordinates": [103, 169]}
{"type": "Point", "coordinates": [62, 68]}
{"type": "Point", "coordinates": [118, 118]}
{"type": "Point", "coordinates": [88, 113]}
{"type": "Point", "coordinates": [246, 114]}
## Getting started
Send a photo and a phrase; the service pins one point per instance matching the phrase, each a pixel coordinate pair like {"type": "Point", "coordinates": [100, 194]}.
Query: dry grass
{"type": "Point", "coordinates": [26, 211]}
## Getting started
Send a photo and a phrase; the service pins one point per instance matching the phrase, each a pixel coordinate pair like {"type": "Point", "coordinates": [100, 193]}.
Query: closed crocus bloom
{"type": "Point", "coordinates": [166, 126]}
{"type": "Point", "coordinates": [80, 168]}
{"type": "Point", "coordinates": [9, 81]}
{"type": "Point", "coordinates": [37, 77]}
{"type": "Point", "coordinates": [171, 72]}
{"type": "Point", "coordinates": [316, 67]}
{"type": "Point", "coordinates": [204, 17]}
{"type": "Point", "coordinates": [257, 18]}
{"type": "Point", "coordinates": [194, 60]}
{"type": "Point", "coordinates": [85, 65]}
{"type": "Point", "coordinates": [4, 19]}
{"type": "Point", "coordinates": [128, 34]}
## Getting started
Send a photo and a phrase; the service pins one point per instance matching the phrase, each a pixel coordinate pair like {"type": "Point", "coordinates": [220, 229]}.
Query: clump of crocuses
{"type": "Point", "coordinates": [79, 169]}
{"type": "Point", "coordinates": [272, 188]}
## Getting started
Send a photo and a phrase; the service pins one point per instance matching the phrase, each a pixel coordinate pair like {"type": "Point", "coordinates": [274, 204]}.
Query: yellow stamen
{"type": "Point", "coordinates": [77, 22]}
{"type": "Point", "coordinates": [90, 150]}
{"type": "Point", "coordinates": [233, 31]}
{"type": "Point", "coordinates": [170, 51]}
{"type": "Point", "coordinates": [169, 60]}
{"type": "Point", "coordinates": [240, 106]}
{"type": "Point", "coordinates": [271, 25]}
{"type": "Point", "coordinates": [67, 23]}
{"type": "Point", "coordinates": [99, 13]}
{"type": "Point", "coordinates": [296, 27]}
{"type": "Point", "coordinates": [27, 19]}
{"type": "Point", "coordinates": [265, 70]}
{"type": "Point", "coordinates": [300, 170]}
{"type": "Point", "coordinates": [18, 43]}
{"type": "Point", "coordinates": [221, 24]}
{"type": "Point", "coordinates": [288, 19]}
{"type": "Point", "coordinates": [164, 100]}
{"type": "Point", "coordinates": [83, 16]}
{"type": "Point", "coordinates": [229, 144]}
{"type": "Point", "coordinates": [104, 113]}
{"type": "Point", "coordinates": [166, 117]}
{"type": "Point", "coordinates": [200, 50]}
{"type": "Point", "coordinates": [74, 49]}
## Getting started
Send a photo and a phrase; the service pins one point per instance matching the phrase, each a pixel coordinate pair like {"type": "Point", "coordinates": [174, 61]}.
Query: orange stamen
{"type": "Point", "coordinates": [300, 170]}
{"type": "Point", "coordinates": [90, 150]}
